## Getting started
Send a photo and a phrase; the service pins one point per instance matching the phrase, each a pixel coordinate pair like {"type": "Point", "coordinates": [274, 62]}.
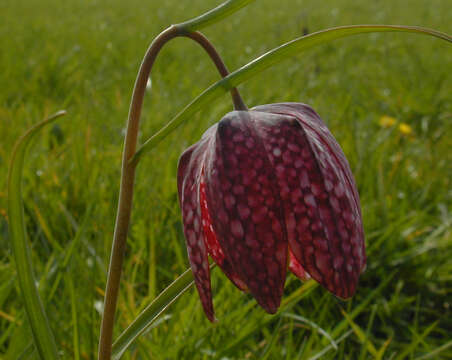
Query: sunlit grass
{"type": "Point", "coordinates": [83, 56]}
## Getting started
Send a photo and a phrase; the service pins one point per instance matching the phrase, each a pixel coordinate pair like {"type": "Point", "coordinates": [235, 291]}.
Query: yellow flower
{"type": "Point", "coordinates": [405, 129]}
{"type": "Point", "coordinates": [387, 121]}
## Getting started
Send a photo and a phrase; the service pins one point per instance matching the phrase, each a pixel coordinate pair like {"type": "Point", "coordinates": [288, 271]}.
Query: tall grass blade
{"type": "Point", "coordinates": [360, 334]}
{"type": "Point", "coordinates": [42, 335]}
{"type": "Point", "coordinates": [361, 307]}
{"type": "Point", "coordinates": [322, 352]}
{"type": "Point", "coordinates": [411, 347]}
{"type": "Point", "coordinates": [75, 319]}
{"type": "Point", "coordinates": [434, 353]}
{"type": "Point", "coordinates": [313, 325]}
{"type": "Point", "coordinates": [270, 344]}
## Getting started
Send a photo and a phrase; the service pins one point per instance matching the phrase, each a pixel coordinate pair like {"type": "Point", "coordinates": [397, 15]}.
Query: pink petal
{"type": "Point", "coordinates": [321, 207]}
{"type": "Point", "coordinates": [189, 173]}
{"type": "Point", "coordinates": [242, 192]}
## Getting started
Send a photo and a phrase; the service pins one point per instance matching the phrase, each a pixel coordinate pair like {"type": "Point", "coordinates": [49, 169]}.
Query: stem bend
{"type": "Point", "coordinates": [128, 172]}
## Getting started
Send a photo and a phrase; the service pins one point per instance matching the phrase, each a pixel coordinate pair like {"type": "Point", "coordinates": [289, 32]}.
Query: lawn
{"type": "Point", "coordinates": [387, 98]}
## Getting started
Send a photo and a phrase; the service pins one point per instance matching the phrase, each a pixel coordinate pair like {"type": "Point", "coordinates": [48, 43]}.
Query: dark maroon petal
{"type": "Point", "coordinates": [213, 246]}
{"type": "Point", "coordinates": [306, 115]}
{"type": "Point", "coordinates": [188, 181]}
{"type": "Point", "coordinates": [247, 217]}
{"type": "Point", "coordinates": [321, 206]}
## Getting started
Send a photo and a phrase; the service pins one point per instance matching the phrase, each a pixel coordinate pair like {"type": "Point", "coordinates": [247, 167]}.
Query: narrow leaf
{"type": "Point", "coordinates": [75, 327]}
{"type": "Point", "coordinates": [435, 352]}
{"type": "Point", "coordinates": [152, 312]}
{"type": "Point", "coordinates": [267, 60]}
{"type": "Point", "coordinates": [238, 341]}
{"type": "Point", "coordinates": [360, 334]}
{"type": "Point", "coordinates": [42, 334]}
{"type": "Point", "coordinates": [215, 15]}
{"type": "Point", "coordinates": [383, 348]}
{"type": "Point", "coordinates": [322, 352]}
{"type": "Point", "coordinates": [270, 344]}
{"type": "Point", "coordinates": [409, 349]}
{"type": "Point", "coordinates": [179, 286]}
{"type": "Point", "coordinates": [313, 325]}
{"type": "Point", "coordinates": [361, 307]}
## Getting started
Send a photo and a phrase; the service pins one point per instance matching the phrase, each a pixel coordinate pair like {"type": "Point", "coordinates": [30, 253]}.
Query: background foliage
{"type": "Point", "coordinates": [83, 56]}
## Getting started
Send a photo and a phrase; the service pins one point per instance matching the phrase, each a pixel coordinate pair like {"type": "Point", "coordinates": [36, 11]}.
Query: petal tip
{"type": "Point", "coordinates": [270, 305]}
{"type": "Point", "coordinates": [211, 317]}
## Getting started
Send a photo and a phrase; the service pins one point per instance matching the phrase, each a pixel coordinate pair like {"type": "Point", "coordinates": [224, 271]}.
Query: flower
{"type": "Point", "coordinates": [387, 121]}
{"type": "Point", "coordinates": [405, 129]}
{"type": "Point", "coordinates": [265, 190]}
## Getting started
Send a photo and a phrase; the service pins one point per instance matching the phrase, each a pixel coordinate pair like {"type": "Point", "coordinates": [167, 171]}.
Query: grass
{"type": "Point", "coordinates": [83, 56]}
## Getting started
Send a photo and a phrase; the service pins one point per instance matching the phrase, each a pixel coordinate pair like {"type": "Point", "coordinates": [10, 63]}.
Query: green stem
{"type": "Point", "coordinates": [128, 173]}
{"type": "Point", "coordinates": [42, 334]}
{"type": "Point", "coordinates": [221, 67]}
{"type": "Point", "coordinates": [128, 169]}
{"type": "Point", "coordinates": [267, 60]}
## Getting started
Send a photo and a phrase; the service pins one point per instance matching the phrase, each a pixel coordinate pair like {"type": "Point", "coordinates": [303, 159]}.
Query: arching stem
{"type": "Point", "coordinates": [128, 172]}
{"type": "Point", "coordinates": [221, 67]}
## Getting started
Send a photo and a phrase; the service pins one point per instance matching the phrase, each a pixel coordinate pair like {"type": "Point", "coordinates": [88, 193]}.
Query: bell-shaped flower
{"type": "Point", "coordinates": [265, 190]}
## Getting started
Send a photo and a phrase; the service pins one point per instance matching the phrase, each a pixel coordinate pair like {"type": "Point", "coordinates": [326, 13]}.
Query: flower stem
{"type": "Point", "coordinates": [128, 173]}
{"type": "Point", "coordinates": [221, 67]}
{"type": "Point", "coordinates": [268, 60]}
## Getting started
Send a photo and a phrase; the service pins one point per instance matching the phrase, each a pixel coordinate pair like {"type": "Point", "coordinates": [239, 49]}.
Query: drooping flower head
{"type": "Point", "coordinates": [265, 190]}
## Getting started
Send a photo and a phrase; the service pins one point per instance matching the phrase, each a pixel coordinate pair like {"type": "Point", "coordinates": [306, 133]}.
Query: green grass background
{"type": "Point", "coordinates": [83, 56]}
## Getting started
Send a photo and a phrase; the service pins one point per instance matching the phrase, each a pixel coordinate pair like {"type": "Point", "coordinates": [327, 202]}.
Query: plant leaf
{"type": "Point", "coordinates": [360, 334]}
{"type": "Point", "coordinates": [267, 60]}
{"type": "Point", "coordinates": [215, 15]}
{"type": "Point", "coordinates": [409, 349]}
{"type": "Point", "coordinates": [42, 334]}
{"type": "Point", "coordinates": [339, 328]}
{"type": "Point", "coordinates": [313, 325]}
{"type": "Point", "coordinates": [152, 312]}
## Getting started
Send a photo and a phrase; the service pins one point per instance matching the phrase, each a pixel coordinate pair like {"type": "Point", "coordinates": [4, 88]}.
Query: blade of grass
{"type": "Point", "coordinates": [5, 290]}
{"type": "Point", "coordinates": [360, 334]}
{"type": "Point", "coordinates": [20, 341]}
{"type": "Point", "coordinates": [152, 268]}
{"type": "Point", "coordinates": [383, 348]}
{"type": "Point", "coordinates": [179, 286]}
{"type": "Point", "coordinates": [229, 349]}
{"type": "Point", "coordinates": [267, 349]}
{"type": "Point", "coordinates": [75, 334]}
{"type": "Point", "coordinates": [312, 325]}
{"type": "Point", "coordinates": [42, 334]}
{"type": "Point", "coordinates": [364, 348]}
{"type": "Point", "coordinates": [410, 348]}
{"type": "Point", "coordinates": [267, 60]}
{"type": "Point", "coordinates": [69, 251]}
{"type": "Point", "coordinates": [358, 309]}
{"type": "Point", "coordinates": [436, 351]}
{"type": "Point", "coordinates": [46, 229]}
{"type": "Point", "coordinates": [329, 347]}
{"type": "Point", "coordinates": [152, 312]}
